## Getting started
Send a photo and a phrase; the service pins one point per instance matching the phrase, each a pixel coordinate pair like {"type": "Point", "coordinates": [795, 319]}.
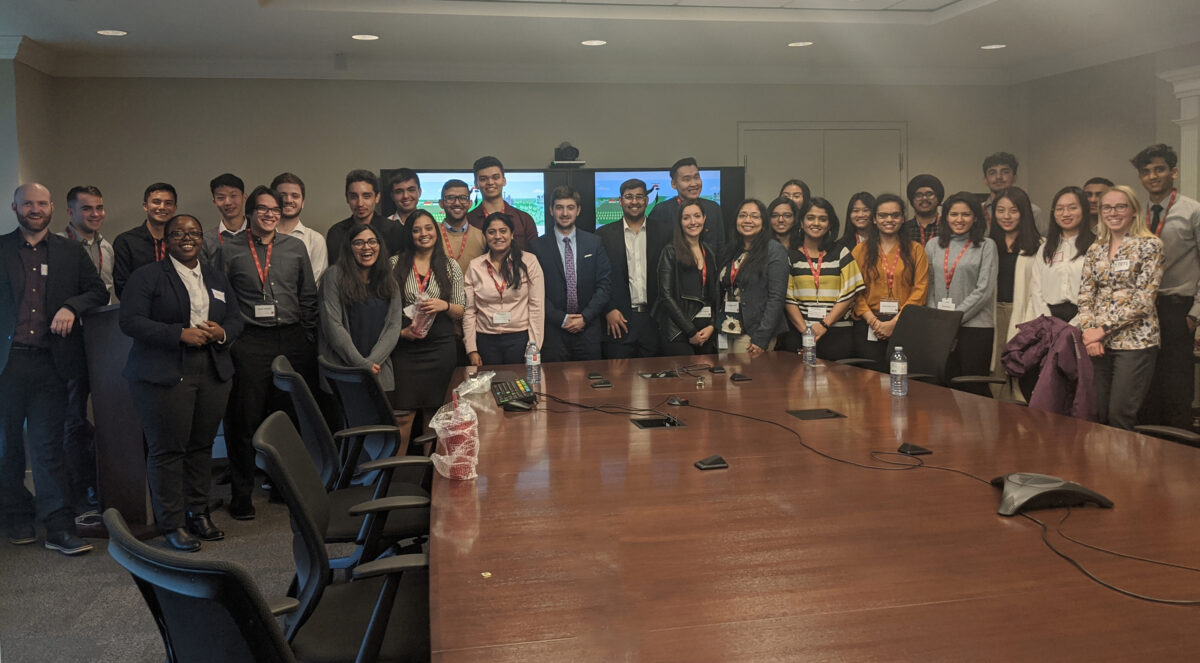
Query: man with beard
{"type": "Point", "coordinates": [144, 244]}
{"type": "Point", "coordinates": [49, 281]}
{"type": "Point", "coordinates": [925, 193]}
{"type": "Point", "coordinates": [362, 196]}
{"type": "Point", "coordinates": [633, 253]}
{"type": "Point", "coordinates": [291, 191]}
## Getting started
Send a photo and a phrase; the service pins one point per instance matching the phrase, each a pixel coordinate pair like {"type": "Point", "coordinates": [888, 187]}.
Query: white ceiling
{"type": "Point", "coordinates": [659, 41]}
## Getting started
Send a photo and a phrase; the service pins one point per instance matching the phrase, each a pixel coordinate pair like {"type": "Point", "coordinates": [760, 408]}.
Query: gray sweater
{"type": "Point", "coordinates": [973, 288]}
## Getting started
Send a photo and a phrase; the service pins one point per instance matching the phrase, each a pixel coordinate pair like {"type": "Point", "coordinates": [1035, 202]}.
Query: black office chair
{"type": "Point", "coordinates": [385, 608]}
{"type": "Point", "coordinates": [1180, 435]}
{"type": "Point", "coordinates": [206, 611]}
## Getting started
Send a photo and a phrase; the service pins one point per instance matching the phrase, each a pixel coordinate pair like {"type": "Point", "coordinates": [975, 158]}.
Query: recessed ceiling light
{"type": "Point", "coordinates": [993, 47]}
{"type": "Point", "coordinates": [593, 42]}
{"type": "Point", "coordinates": [799, 44]}
{"type": "Point", "coordinates": [112, 33]}
{"type": "Point", "coordinates": [365, 37]}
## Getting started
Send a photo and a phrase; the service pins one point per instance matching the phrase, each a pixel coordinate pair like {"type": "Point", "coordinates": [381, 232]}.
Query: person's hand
{"type": "Point", "coordinates": [884, 329]}
{"type": "Point", "coordinates": [474, 359]}
{"type": "Point", "coordinates": [617, 324]}
{"type": "Point", "coordinates": [1093, 335]}
{"type": "Point", "coordinates": [434, 306]}
{"type": "Point", "coordinates": [754, 351]}
{"type": "Point", "coordinates": [408, 334]}
{"type": "Point", "coordinates": [62, 323]}
{"type": "Point", "coordinates": [819, 329]}
{"type": "Point", "coordinates": [214, 331]}
{"type": "Point", "coordinates": [1095, 349]}
{"type": "Point", "coordinates": [575, 323]}
{"type": "Point", "coordinates": [375, 368]}
{"type": "Point", "coordinates": [194, 336]}
{"type": "Point", "coordinates": [1192, 324]}
{"type": "Point", "coordinates": [701, 337]}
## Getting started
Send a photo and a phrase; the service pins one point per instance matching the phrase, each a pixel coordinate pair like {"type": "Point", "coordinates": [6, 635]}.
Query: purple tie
{"type": "Point", "coordinates": [569, 259]}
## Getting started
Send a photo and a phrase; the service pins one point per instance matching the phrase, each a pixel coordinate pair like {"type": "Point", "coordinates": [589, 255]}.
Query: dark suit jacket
{"type": "Point", "coordinates": [156, 309]}
{"type": "Point", "coordinates": [592, 276]}
{"type": "Point", "coordinates": [613, 238]}
{"type": "Point", "coordinates": [71, 281]}
{"type": "Point", "coordinates": [666, 215]}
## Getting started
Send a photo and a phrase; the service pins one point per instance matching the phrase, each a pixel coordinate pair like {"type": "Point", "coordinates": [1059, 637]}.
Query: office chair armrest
{"type": "Point", "coordinates": [923, 377]}
{"type": "Point", "coordinates": [425, 439]}
{"type": "Point", "coordinates": [855, 361]}
{"type": "Point", "coordinates": [978, 379]}
{"type": "Point", "coordinates": [390, 565]}
{"type": "Point", "coordinates": [365, 430]}
{"type": "Point", "coordinates": [394, 462]}
{"type": "Point", "coordinates": [401, 413]}
{"type": "Point", "coordinates": [388, 504]}
{"type": "Point", "coordinates": [1171, 433]}
{"type": "Point", "coordinates": [283, 605]}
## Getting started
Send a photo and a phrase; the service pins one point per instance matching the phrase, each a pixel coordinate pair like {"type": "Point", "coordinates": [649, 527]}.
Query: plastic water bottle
{"type": "Point", "coordinates": [810, 346]}
{"type": "Point", "coordinates": [899, 372]}
{"type": "Point", "coordinates": [533, 364]}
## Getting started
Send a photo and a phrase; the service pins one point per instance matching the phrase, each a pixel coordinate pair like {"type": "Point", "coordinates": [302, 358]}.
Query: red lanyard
{"type": "Point", "coordinates": [921, 228]}
{"type": "Point", "coordinates": [816, 270]}
{"type": "Point", "coordinates": [1162, 220]}
{"type": "Point", "coordinates": [262, 272]}
{"type": "Point", "coordinates": [462, 246]}
{"type": "Point", "coordinates": [734, 268]}
{"type": "Point", "coordinates": [947, 270]}
{"type": "Point", "coordinates": [889, 268]}
{"type": "Point", "coordinates": [492, 273]}
{"type": "Point", "coordinates": [160, 250]}
{"type": "Point", "coordinates": [703, 267]}
{"type": "Point", "coordinates": [99, 248]}
{"type": "Point", "coordinates": [423, 282]}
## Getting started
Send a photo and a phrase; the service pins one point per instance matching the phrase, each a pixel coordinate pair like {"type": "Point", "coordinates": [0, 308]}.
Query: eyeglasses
{"type": "Point", "coordinates": [1119, 207]}
{"type": "Point", "coordinates": [633, 197]}
{"type": "Point", "coordinates": [190, 234]}
{"type": "Point", "coordinates": [263, 209]}
{"type": "Point", "coordinates": [922, 195]}
{"type": "Point", "coordinates": [782, 215]}
{"type": "Point", "coordinates": [1068, 208]}
{"type": "Point", "coordinates": [749, 215]}
{"type": "Point", "coordinates": [360, 243]}
{"type": "Point", "coordinates": [888, 215]}
{"type": "Point", "coordinates": [456, 199]}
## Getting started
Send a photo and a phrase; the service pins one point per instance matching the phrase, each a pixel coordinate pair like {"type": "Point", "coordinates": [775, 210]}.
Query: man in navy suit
{"type": "Point", "coordinates": [576, 271]}
{"type": "Point", "coordinates": [46, 282]}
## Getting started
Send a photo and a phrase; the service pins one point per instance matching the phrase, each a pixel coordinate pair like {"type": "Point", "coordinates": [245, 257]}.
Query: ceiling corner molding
{"type": "Point", "coordinates": [956, 9]}
{"type": "Point", "coordinates": [9, 46]}
{"type": "Point", "coordinates": [37, 56]}
{"type": "Point", "coordinates": [1186, 81]}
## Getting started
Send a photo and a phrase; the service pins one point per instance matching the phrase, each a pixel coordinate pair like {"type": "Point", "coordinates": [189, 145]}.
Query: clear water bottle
{"type": "Point", "coordinates": [810, 346]}
{"type": "Point", "coordinates": [533, 364]}
{"type": "Point", "coordinates": [899, 372]}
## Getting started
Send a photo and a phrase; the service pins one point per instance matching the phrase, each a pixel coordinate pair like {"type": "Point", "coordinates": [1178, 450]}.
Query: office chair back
{"type": "Point", "coordinates": [206, 611]}
{"type": "Point", "coordinates": [281, 454]}
{"type": "Point", "coordinates": [363, 404]}
{"type": "Point", "coordinates": [313, 429]}
{"type": "Point", "coordinates": [927, 336]}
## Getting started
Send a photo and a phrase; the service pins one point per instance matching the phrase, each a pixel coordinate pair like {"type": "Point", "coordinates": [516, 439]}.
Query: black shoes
{"type": "Point", "coordinates": [180, 539]}
{"type": "Point", "coordinates": [19, 535]}
{"type": "Point", "coordinates": [66, 543]}
{"type": "Point", "coordinates": [201, 524]}
{"type": "Point", "coordinates": [241, 508]}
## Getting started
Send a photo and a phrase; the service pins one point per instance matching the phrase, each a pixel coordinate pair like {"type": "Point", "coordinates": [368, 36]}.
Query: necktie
{"type": "Point", "coordinates": [1156, 210]}
{"type": "Point", "coordinates": [569, 259]}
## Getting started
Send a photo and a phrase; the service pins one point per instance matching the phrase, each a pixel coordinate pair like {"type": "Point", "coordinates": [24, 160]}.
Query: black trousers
{"type": "Point", "coordinates": [502, 348]}
{"type": "Point", "coordinates": [876, 351]}
{"type": "Point", "coordinates": [562, 345]}
{"type": "Point", "coordinates": [1169, 399]}
{"type": "Point", "coordinates": [254, 395]}
{"type": "Point", "coordinates": [180, 422]}
{"type": "Point", "coordinates": [1121, 379]}
{"type": "Point", "coordinates": [79, 444]}
{"type": "Point", "coordinates": [972, 355]}
{"type": "Point", "coordinates": [837, 343]}
{"type": "Point", "coordinates": [641, 341]}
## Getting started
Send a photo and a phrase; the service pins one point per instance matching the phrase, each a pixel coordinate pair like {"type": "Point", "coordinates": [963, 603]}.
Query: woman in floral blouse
{"type": "Point", "coordinates": [1121, 272]}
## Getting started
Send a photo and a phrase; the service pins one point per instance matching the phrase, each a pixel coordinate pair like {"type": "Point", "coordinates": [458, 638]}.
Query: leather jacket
{"type": "Point", "coordinates": [681, 295]}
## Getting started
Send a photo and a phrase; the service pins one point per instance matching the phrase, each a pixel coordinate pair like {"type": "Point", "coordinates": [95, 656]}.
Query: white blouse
{"type": "Point", "coordinates": [1057, 282]}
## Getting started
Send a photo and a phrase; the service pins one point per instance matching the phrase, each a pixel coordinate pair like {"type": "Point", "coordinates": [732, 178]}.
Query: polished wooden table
{"type": "Point", "coordinates": [586, 539]}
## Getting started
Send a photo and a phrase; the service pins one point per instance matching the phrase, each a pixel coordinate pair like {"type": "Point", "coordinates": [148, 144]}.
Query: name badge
{"type": "Point", "coordinates": [1058, 257]}
{"type": "Point", "coordinates": [705, 312]}
{"type": "Point", "coordinates": [45, 269]}
{"type": "Point", "coordinates": [733, 307]}
{"type": "Point", "coordinates": [871, 335]}
{"type": "Point", "coordinates": [722, 341]}
{"type": "Point", "coordinates": [889, 306]}
{"type": "Point", "coordinates": [502, 317]}
{"type": "Point", "coordinates": [218, 295]}
{"type": "Point", "coordinates": [818, 313]}
{"type": "Point", "coordinates": [264, 311]}
{"type": "Point", "coordinates": [945, 304]}
{"type": "Point", "coordinates": [1121, 265]}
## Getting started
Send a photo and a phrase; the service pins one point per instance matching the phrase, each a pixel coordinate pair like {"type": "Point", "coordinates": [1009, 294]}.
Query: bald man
{"type": "Point", "coordinates": [48, 281]}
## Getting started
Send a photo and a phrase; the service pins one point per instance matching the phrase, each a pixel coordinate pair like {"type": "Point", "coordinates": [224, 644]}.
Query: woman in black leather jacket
{"type": "Point", "coordinates": [688, 291]}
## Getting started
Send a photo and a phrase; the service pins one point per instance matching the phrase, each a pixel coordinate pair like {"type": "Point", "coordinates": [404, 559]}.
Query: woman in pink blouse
{"type": "Point", "coordinates": [1121, 273]}
{"type": "Point", "coordinates": [505, 298]}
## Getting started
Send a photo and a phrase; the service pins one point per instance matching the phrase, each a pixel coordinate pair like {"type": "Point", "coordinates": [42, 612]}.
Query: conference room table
{"type": "Point", "coordinates": [587, 539]}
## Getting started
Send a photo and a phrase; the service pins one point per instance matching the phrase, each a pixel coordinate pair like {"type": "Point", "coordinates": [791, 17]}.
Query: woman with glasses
{"type": "Point", "coordinates": [753, 284]}
{"type": "Point", "coordinates": [858, 219]}
{"type": "Point", "coordinates": [361, 307]}
{"type": "Point", "coordinates": [431, 287]}
{"type": "Point", "coordinates": [823, 283]}
{"type": "Point", "coordinates": [1121, 273]}
{"type": "Point", "coordinates": [784, 216]}
{"type": "Point", "coordinates": [896, 275]}
{"type": "Point", "coordinates": [506, 298]}
{"type": "Point", "coordinates": [1058, 266]}
{"type": "Point", "coordinates": [962, 277]}
{"type": "Point", "coordinates": [182, 320]}
{"type": "Point", "coordinates": [688, 289]}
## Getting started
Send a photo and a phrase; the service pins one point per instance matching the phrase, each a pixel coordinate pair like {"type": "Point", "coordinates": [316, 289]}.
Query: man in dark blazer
{"type": "Point", "coordinates": [633, 252]}
{"type": "Point", "coordinates": [46, 282]}
{"type": "Point", "coordinates": [685, 179]}
{"type": "Point", "coordinates": [576, 271]}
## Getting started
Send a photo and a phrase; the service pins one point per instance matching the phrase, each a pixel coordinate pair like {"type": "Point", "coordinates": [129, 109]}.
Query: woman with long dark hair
{"type": "Point", "coordinates": [1017, 242]}
{"type": "Point", "coordinates": [506, 298]}
{"type": "Point", "coordinates": [688, 289]}
{"type": "Point", "coordinates": [432, 290]}
{"type": "Point", "coordinates": [823, 283]}
{"type": "Point", "coordinates": [753, 284]}
{"type": "Point", "coordinates": [859, 219]}
{"type": "Point", "coordinates": [962, 277]}
{"type": "Point", "coordinates": [1058, 265]}
{"type": "Point", "coordinates": [784, 216]}
{"type": "Point", "coordinates": [795, 190]}
{"type": "Point", "coordinates": [896, 275]}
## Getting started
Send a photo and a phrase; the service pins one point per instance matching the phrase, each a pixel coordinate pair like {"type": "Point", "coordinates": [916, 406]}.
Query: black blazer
{"type": "Point", "coordinates": [71, 281]}
{"type": "Point", "coordinates": [613, 238]}
{"type": "Point", "coordinates": [592, 278]}
{"type": "Point", "coordinates": [763, 295]}
{"type": "Point", "coordinates": [155, 309]}
{"type": "Point", "coordinates": [681, 296]}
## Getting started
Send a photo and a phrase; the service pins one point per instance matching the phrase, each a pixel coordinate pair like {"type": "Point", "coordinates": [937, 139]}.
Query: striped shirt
{"type": "Point", "coordinates": [839, 281]}
{"type": "Point", "coordinates": [458, 293]}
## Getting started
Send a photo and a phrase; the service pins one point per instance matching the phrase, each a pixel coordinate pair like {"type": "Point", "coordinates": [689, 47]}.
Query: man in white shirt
{"type": "Point", "coordinates": [405, 189]}
{"type": "Point", "coordinates": [633, 253]}
{"type": "Point", "coordinates": [229, 197]}
{"type": "Point", "coordinates": [290, 189]}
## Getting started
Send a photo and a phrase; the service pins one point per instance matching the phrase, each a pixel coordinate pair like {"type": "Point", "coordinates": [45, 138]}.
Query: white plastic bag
{"type": "Point", "coordinates": [481, 382]}
{"type": "Point", "coordinates": [457, 428]}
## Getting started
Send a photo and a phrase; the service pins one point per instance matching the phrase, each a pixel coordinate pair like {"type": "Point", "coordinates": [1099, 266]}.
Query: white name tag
{"type": "Point", "coordinates": [45, 269]}
{"type": "Point", "coordinates": [218, 295]}
{"type": "Point", "coordinates": [889, 306]}
{"type": "Point", "coordinates": [945, 304]}
{"type": "Point", "coordinates": [502, 317]}
{"type": "Point", "coordinates": [705, 312]}
{"type": "Point", "coordinates": [871, 335]}
{"type": "Point", "coordinates": [722, 341]}
{"type": "Point", "coordinates": [732, 307]}
{"type": "Point", "coordinates": [262, 311]}
{"type": "Point", "coordinates": [818, 313]}
{"type": "Point", "coordinates": [1121, 265]}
